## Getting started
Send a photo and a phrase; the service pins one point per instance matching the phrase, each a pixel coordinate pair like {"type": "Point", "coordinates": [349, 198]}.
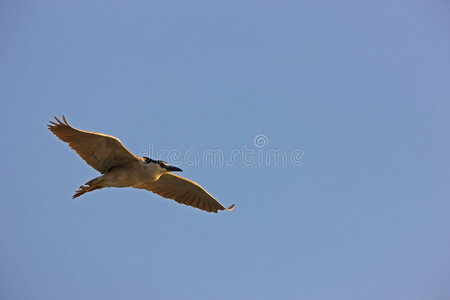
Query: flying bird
{"type": "Point", "coordinates": [121, 168]}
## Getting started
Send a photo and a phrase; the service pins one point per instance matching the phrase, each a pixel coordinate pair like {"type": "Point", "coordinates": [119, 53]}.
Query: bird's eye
{"type": "Point", "coordinates": [161, 165]}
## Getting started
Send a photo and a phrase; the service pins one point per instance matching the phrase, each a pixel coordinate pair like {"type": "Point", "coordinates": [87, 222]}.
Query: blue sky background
{"type": "Point", "coordinates": [361, 87]}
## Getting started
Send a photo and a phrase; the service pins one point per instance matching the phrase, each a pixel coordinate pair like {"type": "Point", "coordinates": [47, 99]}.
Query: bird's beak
{"type": "Point", "coordinates": [173, 169]}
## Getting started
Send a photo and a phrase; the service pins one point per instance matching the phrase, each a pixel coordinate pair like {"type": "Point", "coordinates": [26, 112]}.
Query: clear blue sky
{"type": "Point", "coordinates": [361, 87]}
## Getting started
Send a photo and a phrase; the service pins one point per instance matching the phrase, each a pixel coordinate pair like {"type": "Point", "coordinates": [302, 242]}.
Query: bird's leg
{"type": "Point", "coordinates": [90, 186]}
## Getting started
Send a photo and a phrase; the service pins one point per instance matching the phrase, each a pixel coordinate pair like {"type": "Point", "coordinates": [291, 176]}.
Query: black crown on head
{"type": "Point", "coordinates": [149, 160]}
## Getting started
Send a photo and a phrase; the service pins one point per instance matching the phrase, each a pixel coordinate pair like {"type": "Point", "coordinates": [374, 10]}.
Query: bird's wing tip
{"type": "Point", "coordinates": [58, 122]}
{"type": "Point", "coordinates": [231, 207]}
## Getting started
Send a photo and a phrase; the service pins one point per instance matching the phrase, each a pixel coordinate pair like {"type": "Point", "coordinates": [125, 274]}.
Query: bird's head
{"type": "Point", "coordinates": [161, 166]}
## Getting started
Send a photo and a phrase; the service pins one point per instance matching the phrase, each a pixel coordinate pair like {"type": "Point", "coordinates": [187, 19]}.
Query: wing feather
{"type": "Point", "coordinates": [184, 191]}
{"type": "Point", "coordinates": [100, 151]}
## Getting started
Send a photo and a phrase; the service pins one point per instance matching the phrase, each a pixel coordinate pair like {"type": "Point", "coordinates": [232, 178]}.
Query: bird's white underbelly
{"type": "Point", "coordinates": [127, 177]}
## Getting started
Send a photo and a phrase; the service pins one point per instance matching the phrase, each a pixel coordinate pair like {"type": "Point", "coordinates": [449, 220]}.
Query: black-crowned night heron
{"type": "Point", "coordinates": [121, 168]}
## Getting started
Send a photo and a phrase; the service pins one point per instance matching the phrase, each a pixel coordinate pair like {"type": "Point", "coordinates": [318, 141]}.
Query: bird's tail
{"type": "Point", "coordinates": [92, 185]}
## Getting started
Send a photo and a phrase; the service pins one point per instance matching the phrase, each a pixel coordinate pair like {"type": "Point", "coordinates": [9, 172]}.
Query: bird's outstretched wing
{"type": "Point", "coordinates": [100, 151]}
{"type": "Point", "coordinates": [184, 191]}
